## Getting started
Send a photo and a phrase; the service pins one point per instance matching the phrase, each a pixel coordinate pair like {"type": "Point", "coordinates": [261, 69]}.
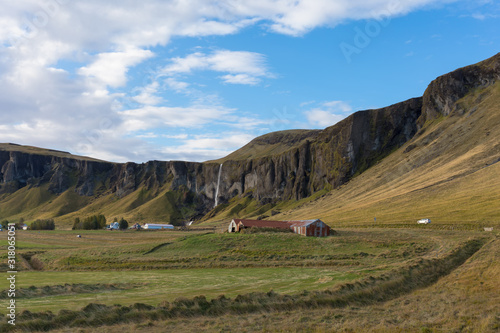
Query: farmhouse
{"type": "Point", "coordinates": [113, 226]}
{"type": "Point", "coordinates": [316, 228]}
{"type": "Point", "coordinates": [157, 226]}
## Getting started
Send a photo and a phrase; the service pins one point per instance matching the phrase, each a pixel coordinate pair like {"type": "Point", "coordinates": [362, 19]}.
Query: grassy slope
{"type": "Point", "coordinates": [42, 151]}
{"type": "Point", "coordinates": [464, 301]}
{"type": "Point", "coordinates": [449, 173]}
{"type": "Point", "coordinates": [270, 144]}
{"type": "Point", "coordinates": [287, 263]}
{"type": "Point", "coordinates": [141, 205]}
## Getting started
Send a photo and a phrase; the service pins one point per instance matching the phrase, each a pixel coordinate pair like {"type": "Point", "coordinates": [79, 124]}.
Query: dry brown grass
{"type": "Point", "coordinates": [464, 301]}
{"type": "Point", "coordinates": [450, 175]}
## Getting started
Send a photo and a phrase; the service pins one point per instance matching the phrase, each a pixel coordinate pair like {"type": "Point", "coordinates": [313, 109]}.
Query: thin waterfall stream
{"type": "Point", "coordinates": [217, 189]}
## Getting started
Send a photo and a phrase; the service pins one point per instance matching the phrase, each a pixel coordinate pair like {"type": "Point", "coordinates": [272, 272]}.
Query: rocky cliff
{"type": "Point", "coordinates": [288, 165]}
{"type": "Point", "coordinates": [326, 159]}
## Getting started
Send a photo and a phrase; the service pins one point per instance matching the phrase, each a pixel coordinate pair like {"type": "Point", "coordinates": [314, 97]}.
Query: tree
{"type": "Point", "coordinates": [47, 224]}
{"type": "Point", "coordinates": [5, 224]}
{"type": "Point", "coordinates": [101, 219]}
{"type": "Point", "coordinates": [94, 222]}
{"type": "Point", "coordinates": [123, 224]}
{"type": "Point", "coordinates": [77, 224]}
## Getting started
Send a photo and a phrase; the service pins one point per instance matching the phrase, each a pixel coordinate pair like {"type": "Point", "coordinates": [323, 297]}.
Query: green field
{"type": "Point", "coordinates": [153, 287]}
{"type": "Point", "coordinates": [58, 271]}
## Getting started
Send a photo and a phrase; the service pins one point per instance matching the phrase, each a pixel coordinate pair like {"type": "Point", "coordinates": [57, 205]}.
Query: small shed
{"type": "Point", "coordinates": [158, 226]}
{"type": "Point", "coordinates": [237, 225]}
{"type": "Point", "coordinates": [113, 226]}
{"type": "Point", "coordinates": [25, 227]}
{"type": "Point", "coordinates": [316, 228]}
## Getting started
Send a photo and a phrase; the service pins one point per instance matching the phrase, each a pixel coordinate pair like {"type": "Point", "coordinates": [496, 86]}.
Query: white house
{"type": "Point", "coordinates": [114, 226]}
{"type": "Point", "coordinates": [158, 226]}
{"type": "Point", "coordinates": [424, 221]}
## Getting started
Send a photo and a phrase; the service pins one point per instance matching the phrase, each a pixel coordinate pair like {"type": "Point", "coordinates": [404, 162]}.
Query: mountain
{"type": "Point", "coordinates": [449, 171]}
{"type": "Point", "coordinates": [446, 135]}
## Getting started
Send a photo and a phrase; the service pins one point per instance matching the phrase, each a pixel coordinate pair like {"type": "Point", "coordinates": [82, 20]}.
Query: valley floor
{"type": "Point", "coordinates": [361, 280]}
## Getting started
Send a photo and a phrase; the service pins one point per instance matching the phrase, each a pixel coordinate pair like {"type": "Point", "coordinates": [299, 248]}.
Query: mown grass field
{"type": "Point", "coordinates": [156, 267]}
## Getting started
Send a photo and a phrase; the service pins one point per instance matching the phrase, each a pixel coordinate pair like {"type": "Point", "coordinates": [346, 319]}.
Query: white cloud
{"type": "Point", "coordinates": [64, 68]}
{"type": "Point", "coordinates": [240, 79]}
{"type": "Point", "coordinates": [176, 85]}
{"type": "Point", "coordinates": [176, 137]}
{"type": "Point", "coordinates": [328, 113]}
{"type": "Point", "coordinates": [111, 68]}
{"type": "Point", "coordinates": [338, 106]}
{"type": "Point", "coordinates": [206, 147]}
{"type": "Point", "coordinates": [243, 67]}
{"type": "Point", "coordinates": [150, 117]}
{"type": "Point", "coordinates": [482, 17]}
{"type": "Point", "coordinates": [147, 95]}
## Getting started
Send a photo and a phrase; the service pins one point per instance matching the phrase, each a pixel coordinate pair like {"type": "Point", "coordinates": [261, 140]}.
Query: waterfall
{"type": "Point", "coordinates": [217, 189]}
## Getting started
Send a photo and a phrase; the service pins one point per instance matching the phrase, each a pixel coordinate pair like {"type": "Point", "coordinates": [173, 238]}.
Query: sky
{"type": "Point", "coordinates": [197, 79]}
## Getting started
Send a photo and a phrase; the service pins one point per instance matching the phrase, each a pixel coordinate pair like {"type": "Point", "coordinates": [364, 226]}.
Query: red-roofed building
{"type": "Point", "coordinates": [316, 228]}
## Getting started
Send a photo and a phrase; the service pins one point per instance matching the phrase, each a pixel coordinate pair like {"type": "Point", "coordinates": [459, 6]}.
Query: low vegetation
{"type": "Point", "coordinates": [366, 292]}
{"type": "Point", "coordinates": [94, 222]}
{"type": "Point", "coordinates": [47, 224]}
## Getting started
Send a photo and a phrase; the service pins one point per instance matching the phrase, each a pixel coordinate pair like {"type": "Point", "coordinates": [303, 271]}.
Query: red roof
{"type": "Point", "coordinates": [263, 224]}
{"type": "Point", "coordinates": [302, 223]}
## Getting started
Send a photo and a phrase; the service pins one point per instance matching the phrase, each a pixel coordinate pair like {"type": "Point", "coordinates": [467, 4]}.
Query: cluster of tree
{"type": "Point", "coordinates": [47, 224]}
{"type": "Point", "coordinates": [123, 224]}
{"type": "Point", "coordinates": [4, 224]}
{"type": "Point", "coordinates": [19, 224]}
{"type": "Point", "coordinates": [94, 222]}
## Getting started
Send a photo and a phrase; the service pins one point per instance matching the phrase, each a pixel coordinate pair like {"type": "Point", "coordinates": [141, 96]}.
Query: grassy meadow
{"type": "Point", "coordinates": [154, 276]}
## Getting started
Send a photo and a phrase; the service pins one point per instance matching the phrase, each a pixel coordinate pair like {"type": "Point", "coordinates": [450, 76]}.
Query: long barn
{"type": "Point", "coordinates": [315, 228]}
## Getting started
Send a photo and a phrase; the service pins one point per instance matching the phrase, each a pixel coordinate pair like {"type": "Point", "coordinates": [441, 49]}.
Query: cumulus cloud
{"type": "Point", "coordinates": [65, 66]}
{"type": "Point", "coordinates": [150, 117]}
{"type": "Point", "coordinates": [110, 68]}
{"type": "Point", "coordinates": [243, 67]}
{"type": "Point", "coordinates": [148, 95]}
{"type": "Point", "coordinates": [208, 147]}
{"type": "Point", "coordinates": [328, 113]}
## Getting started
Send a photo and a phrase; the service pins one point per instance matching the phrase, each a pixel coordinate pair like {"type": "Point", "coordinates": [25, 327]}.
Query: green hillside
{"type": "Point", "coordinates": [449, 173]}
{"type": "Point", "coordinates": [270, 144]}
{"type": "Point", "coordinates": [434, 157]}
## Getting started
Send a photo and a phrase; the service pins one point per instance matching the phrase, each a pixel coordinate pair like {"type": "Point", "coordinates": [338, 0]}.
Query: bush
{"type": "Point", "coordinates": [94, 222]}
{"type": "Point", "coordinates": [123, 224]}
{"type": "Point", "coordinates": [47, 224]}
{"type": "Point", "coordinates": [5, 224]}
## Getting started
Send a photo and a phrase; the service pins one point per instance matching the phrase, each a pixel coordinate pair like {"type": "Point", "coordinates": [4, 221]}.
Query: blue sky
{"type": "Point", "coordinates": [195, 80]}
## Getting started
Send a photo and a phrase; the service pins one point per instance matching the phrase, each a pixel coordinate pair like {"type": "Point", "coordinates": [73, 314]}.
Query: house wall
{"type": "Point", "coordinates": [233, 227]}
{"type": "Point", "coordinates": [316, 229]}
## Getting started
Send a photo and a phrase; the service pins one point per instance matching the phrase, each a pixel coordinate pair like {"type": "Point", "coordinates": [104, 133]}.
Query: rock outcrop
{"type": "Point", "coordinates": [299, 164]}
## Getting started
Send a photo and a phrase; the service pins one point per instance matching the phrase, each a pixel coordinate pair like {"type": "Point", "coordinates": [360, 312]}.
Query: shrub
{"type": "Point", "coordinates": [47, 224]}
{"type": "Point", "coordinates": [123, 224]}
{"type": "Point", "coordinates": [94, 222]}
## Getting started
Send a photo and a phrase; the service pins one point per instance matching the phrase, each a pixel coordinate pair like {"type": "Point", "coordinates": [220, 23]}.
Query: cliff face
{"type": "Point", "coordinates": [19, 169]}
{"type": "Point", "coordinates": [441, 95]}
{"type": "Point", "coordinates": [330, 158]}
{"type": "Point", "coordinates": [278, 166]}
